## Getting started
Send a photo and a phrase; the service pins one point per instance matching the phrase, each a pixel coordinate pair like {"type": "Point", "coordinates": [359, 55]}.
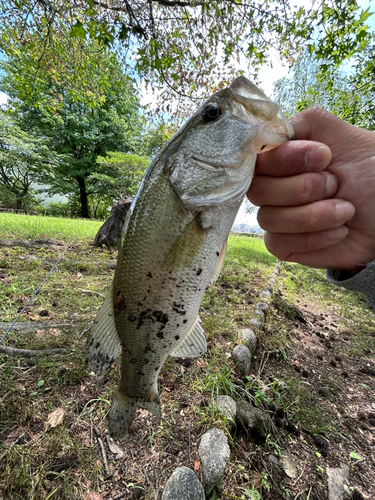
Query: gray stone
{"type": "Point", "coordinates": [268, 289]}
{"type": "Point", "coordinates": [250, 339]}
{"type": "Point", "coordinates": [183, 485]}
{"type": "Point", "coordinates": [255, 323]}
{"type": "Point", "coordinates": [227, 407]}
{"type": "Point", "coordinates": [289, 465]}
{"type": "Point", "coordinates": [214, 453]}
{"type": "Point", "coordinates": [253, 420]}
{"type": "Point", "coordinates": [260, 314]}
{"type": "Point", "coordinates": [338, 478]}
{"type": "Point", "coordinates": [266, 294]}
{"type": "Point", "coordinates": [242, 357]}
{"type": "Point", "coordinates": [263, 307]}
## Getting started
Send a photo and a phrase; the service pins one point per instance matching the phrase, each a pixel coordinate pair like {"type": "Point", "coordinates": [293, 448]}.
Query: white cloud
{"type": "Point", "coordinates": [3, 98]}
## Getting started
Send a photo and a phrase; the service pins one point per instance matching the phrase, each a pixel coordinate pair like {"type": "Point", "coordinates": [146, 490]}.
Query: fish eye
{"type": "Point", "coordinates": [211, 112]}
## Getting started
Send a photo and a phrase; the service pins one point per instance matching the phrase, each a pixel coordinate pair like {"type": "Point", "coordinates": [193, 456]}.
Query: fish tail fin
{"type": "Point", "coordinates": [123, 410]}
{"type": "Point", "coordinates": [152, 406]}
{"type": "Point", "coordinates": [121, 415]}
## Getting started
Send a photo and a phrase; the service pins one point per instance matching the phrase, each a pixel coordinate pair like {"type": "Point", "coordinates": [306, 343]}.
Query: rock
{"type": "Point", "coordinates": [250, 339]}
{"type": "Point", "coordinates": [262, 306]}
{"type": "Point", "coordinates": [289, 465]}
{"type": "Point", "coordinates": [227, 407]}
{"type": "Point", "coordinates": [253, 420]}
{"type": "Point", "coordinates": [242, 357]}
{"type": "Point", "coordinates": [214, 453]}
{"type": "Point", "coordinates": [338, 478]}
{"type": "Point", "coordinates": [256, 323]}
{"type": "Point", "coordinates": [110, 232]}
{"type": "Point", "coordinates": [273, 459]}
{"type": "Point", "coordinates": [260, 314]}
{"type": "Point", "coordinates": [266, 294]}
{"type": "Point", "coordinates": [183, 485]}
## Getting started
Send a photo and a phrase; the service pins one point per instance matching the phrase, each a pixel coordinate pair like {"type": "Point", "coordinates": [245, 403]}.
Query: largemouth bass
{"type": "Point", "coordinates": [174, 242]}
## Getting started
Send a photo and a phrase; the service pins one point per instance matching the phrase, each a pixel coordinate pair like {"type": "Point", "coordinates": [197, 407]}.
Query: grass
{"type": "Point", "coordinates": [38, 226]}
{"type": "Point", "coordinates": [65, 462]}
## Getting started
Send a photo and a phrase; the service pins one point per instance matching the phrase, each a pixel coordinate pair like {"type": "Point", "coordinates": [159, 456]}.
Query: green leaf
{"type": "Point", "coordinates": [40, 383]}
{"type": "Point", "coordinates": [355, 456]}
{"type": "Point", "coordinates": [78, 30]}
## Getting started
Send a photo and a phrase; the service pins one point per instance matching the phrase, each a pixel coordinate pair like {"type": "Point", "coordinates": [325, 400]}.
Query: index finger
{"type": "Point", "coordinates": [293, 158]}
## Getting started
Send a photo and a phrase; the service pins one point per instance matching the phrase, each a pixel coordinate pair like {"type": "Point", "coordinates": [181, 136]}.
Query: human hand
{"type": "Point", "coordinates": [317, 194]}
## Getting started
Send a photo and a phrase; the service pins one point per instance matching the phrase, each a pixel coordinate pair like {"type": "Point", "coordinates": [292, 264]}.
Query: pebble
{"type": "Point", "coordinates": [227, 407]}
{"type": "Point", "coordinates": [262, 306]}
{"type": "Point", "coordinates": [250, 339]}
{"type": "Point", "coordinates": [242, 357]}
{"type": "Point", "coordinates": [260, 314]}
{"type": "Point", "coordinates": [214, 453]}
{"type": "Point", "coordinates": [253, 420]}
{"type": "Point", "coordinates": [338, 483]}
{"type": "Point", "coordinates": [256, 323]}
{"type": "Point", "coordinates": [183, 485]}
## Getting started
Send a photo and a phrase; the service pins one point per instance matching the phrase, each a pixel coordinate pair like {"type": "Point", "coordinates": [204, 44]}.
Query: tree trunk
{"type": "Point", "coordinates": [83, 197]}
{"type": "Point", "coordinates": [110, 232]}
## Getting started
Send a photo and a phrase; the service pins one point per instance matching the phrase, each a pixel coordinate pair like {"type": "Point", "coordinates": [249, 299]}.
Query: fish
{"type": "Point", "coordinates": [174, 242]}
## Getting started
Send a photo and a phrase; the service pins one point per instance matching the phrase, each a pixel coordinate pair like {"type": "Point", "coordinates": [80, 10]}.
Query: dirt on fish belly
{"type": "Point", "coordinates": [174, 243]}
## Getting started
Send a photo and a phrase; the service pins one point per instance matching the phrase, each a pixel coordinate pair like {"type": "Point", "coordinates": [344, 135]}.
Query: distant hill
{"type": "Point", "coordinates": [245, 228]}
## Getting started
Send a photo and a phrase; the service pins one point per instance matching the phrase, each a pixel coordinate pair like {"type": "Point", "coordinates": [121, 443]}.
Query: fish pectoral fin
{"type": "Point", "coordinates": [194, 344]}
{"type": "Point", "coordinates": [103, 343]}
{"type": "Point", "coordinates": [220, 262]}
{"type": "Point", "coordinates": [122, 413]}
{"type": "Point", "coordinates": [186, 246]}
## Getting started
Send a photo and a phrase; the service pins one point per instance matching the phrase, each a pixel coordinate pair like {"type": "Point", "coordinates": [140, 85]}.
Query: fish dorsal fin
{"type": "Point", "coordinates": [194, 344]}
{"type": "Point", "coordinates": [220, 262]}
{"type": "Point", "coordinates": [186, 246]}
{"type": "Point", "coordinates": [103, 343]}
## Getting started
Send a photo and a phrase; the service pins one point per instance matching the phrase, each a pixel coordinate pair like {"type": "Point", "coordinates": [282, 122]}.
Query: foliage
{"type": "Point", "coordinates": [76, 127]}
{"type": "Point", "coordinates": [21, 158]}
{"type": "Point", "coordinates": [118, 176]}
{"type": "Point", "coordinates": [345, 92]}
{"type": "Point", "coordinates": [186, 46]}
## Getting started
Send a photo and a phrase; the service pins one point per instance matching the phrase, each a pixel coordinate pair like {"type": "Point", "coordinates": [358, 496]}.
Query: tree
{"type": "Point", "coordinates": [187, 46]}
{"type": "Point", "coordinates": [118, 176]}
{"type": "Point", "coordinates": [22, 157]}
{"type": "Point", "coordinates": [79, 129]}
{"type": "Point", "coordinates": [344, 92]}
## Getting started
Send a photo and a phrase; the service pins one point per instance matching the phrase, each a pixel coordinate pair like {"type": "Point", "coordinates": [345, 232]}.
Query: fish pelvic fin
{"type": "Point", "coordinates": [193, 345]}
{"type": "Point", "coordinates": [103, 343]}
{"type": "Point", "coordinates": [122, 413]}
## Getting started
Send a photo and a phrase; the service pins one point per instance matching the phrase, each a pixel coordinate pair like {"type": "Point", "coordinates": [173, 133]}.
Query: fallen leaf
{"type": "Point", "coordinates": [114, 448]}
{"type": "Point", "coordinates": [92, 496]}
{"type": "Point", "coordinates": [197, 464]}
{"type": "Point", "coordinates": [56, 417]}
{"type": "Point", "coordinates": [33, 316]}
{"type": "Point", "coordinates": [54, 331]}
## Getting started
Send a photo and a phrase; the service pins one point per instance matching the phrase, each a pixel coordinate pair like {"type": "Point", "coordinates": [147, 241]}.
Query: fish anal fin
{"type": "Point", "coordinates": [220, 262]}
{"type": "Point", "coordinates": [103, 343]}
{"type": "Point", "coordinates": [186, 246]}
{"type": "Point", "coordinates": [194, 344]}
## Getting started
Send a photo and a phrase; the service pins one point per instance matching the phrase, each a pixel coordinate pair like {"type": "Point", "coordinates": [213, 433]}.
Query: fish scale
{"type": "Point", "coordinates": [174, 242]}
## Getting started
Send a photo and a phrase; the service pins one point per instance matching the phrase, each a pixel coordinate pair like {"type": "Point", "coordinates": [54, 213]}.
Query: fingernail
{"type": "Point", "coordinates": [317, 158]}
{"type": "Point", "coordinates": [332, 185]}
{"type": "Point", "coordinates": [337, 234]}
{"type": "Point", "coordinates": [344, 211]}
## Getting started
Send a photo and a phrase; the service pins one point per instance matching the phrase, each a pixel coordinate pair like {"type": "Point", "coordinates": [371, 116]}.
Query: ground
{"type": "Point", "coordinates": [313, 374]}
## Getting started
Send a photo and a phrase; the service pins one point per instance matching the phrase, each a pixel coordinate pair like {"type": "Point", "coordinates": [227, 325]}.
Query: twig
{"type": "Point", "coordinates": [230, 496]}
{"type": "Point", "coordinates": [11, 446]}
{"type": "Point", "coordinates": [91, 292]}
{"type": "Point", "coordinates": [299, 494]}
{"type": "Point", "coordinates": [308, 496]}
{"type": "Point", "coordinates": [120, 495]}
{"type": "Point", "coordinates": [84, 331]}
{"type": "Point", "coordinates": [101, 444]}
{"type": "Point", "coordinates": [11, 351]}
{"type": "Point", "coordinates": [146, 476]}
